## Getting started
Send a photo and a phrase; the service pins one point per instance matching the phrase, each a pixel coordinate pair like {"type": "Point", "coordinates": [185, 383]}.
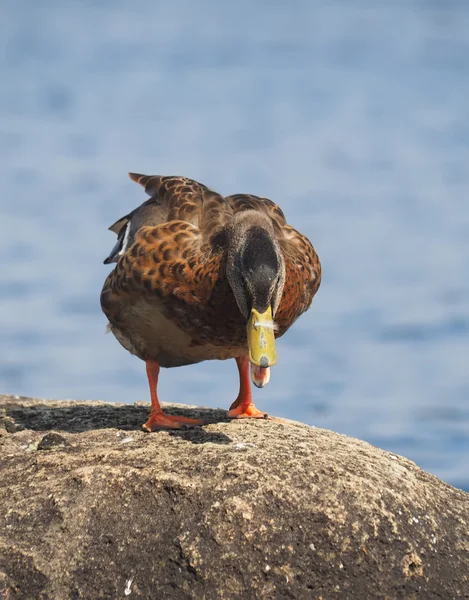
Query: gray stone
{"type": "Point", "coordinates": [240, 509]}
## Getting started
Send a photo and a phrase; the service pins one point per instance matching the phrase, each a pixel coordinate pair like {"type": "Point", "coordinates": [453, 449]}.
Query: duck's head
{"type": "Point", "coordinates": [256, 274]}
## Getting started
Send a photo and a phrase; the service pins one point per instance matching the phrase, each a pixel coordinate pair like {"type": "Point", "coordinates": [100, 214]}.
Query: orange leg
{"type": "Point", "coordinates": [158, 419]}
{"type": "Point", "coordinates": [242, 407]}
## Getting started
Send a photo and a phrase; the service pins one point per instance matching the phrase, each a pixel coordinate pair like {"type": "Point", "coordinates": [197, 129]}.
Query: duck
{"type": "Point", "coordinates": [199, 276]}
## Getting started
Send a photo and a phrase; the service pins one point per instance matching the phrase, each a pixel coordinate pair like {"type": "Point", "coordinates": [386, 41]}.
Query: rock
{"type": "Point", "coordinates": [234, 510]}
{"type": "Point", "coordinates": [9, 425]}
{"type": "Point", "coordinates": [51, 440]}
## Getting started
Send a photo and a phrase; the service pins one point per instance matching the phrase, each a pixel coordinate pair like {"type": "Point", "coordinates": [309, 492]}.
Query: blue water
{"type": "Point", "coordinates": [353, 116]}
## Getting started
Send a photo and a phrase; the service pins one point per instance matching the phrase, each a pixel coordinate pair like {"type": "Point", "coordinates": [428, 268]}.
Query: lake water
{"type": "Point", "coordinates": [354, 117]}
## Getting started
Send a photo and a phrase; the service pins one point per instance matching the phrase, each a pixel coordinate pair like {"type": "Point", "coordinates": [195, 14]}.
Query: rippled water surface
{"type": "Point", "coordinates": [353, 116]}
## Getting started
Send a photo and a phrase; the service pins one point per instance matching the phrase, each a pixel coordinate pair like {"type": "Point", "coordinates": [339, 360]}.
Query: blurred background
{"type": "Point", "coordinates": [354, 117]}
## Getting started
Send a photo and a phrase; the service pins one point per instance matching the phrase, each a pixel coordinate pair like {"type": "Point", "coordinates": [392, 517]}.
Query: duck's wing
{"type": "Point", "coordinates": [171, 198]}
{"type": "Point", "coordinates": [176, 261]}
{"type": "Point", "coordinates": [302, 277]}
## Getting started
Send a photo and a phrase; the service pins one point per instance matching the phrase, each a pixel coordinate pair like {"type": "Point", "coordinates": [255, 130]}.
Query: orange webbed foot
{"type": "Point", "coordinates": [242, 407]}
{"type": "Point", "coordinates": [241, 411]}
{"type": "Point", "coordinates": [161, 420]}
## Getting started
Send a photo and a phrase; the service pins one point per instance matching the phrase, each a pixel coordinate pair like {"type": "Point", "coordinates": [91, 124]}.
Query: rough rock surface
{"type": "Point", "coordinates": [91, 507]}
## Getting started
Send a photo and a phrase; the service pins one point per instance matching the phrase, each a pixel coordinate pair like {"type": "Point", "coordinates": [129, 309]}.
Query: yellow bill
{"type": "Point", "coordinates": [261, 338]}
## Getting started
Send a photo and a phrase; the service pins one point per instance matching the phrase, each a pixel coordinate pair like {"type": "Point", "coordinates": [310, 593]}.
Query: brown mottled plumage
{"type": "Point", "coordinates": [177, 292]}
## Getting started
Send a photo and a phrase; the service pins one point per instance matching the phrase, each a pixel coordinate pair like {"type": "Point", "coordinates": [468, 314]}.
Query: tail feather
{"type": "Point", "coordinates": [151, 183]}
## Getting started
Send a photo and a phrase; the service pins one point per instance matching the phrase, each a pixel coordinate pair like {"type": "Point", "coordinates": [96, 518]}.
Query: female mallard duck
{"type": "Point", "coordinates": [202, 277]}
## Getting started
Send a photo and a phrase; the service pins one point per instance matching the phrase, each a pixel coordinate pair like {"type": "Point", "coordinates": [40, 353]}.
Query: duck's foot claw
{"type": "Point", "coordinates": [246, 412]}
{"type": "Point", "coordinates": [161, 420]}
